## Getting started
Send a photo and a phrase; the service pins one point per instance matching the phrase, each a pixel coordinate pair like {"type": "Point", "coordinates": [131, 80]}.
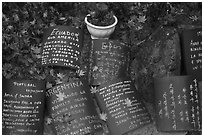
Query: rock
{"type": "Point", "coordinates": [158, 56]}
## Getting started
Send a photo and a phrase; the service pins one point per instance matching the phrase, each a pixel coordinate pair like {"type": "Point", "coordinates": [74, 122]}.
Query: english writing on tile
{"type": "Point", "coordinates": [22, 107]}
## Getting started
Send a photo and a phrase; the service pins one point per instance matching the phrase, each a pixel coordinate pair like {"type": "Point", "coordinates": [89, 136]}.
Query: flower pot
{"type": "Point", "coordinates": [23, 107]}
{"type": "Point", "coordinates": [177, 104]}
{"type": "Point", "coordinates": [100, 32]}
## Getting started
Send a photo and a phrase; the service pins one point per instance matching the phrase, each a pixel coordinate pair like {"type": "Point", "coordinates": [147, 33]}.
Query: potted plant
{"type": "Point", "coordinates": [101, 21]}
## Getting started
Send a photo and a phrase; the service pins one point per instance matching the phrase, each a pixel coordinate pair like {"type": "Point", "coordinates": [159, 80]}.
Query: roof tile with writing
{"type": "Point", "coordinates": [128, 102]}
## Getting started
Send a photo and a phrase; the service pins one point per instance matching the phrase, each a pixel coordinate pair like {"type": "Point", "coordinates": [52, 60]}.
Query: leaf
{"type": "Point", "coordinates": [23, 60]}
{"type": "Point", "coordinates": [128, 102]}
{"type": "Point", "coordinates": [61, 75]}
{"type": "Point", "coordinates": [38, 56]}
{"type": "Point", "coordinates": [10, 27]}
{"type": "Point", "coordinates": [7, 75]}
{"type": "Point", "coordinates": [59, 119]}
{"type": "Point", "coordinates": [52, 72]}
{"type": "Point", "coordinates": [16, 18]}
{"type": "Point", "coordinates": [93, 90]}
{"type": "Point", "coordinates": [33, 22]}
{"type": "Point", "coordinates": [62, 18]}
{"type": "Point", "coordinates": [60, 96]}
{"type": "Point", "coordinates": [194, 18]}
{"type": "Point", "coordinates": [68, 118]}
{"type": "Point", "coordinates": [81, 73]}
{"type": "Point", "coordinates": [102, 6]}
{"type": "Point", "coordinates": [142, 19]}
{"type": "Point", "coordinates": [7, 67]}
{"type": "Point", "coordinates": [103, 116]}
{"type": "Point", "coordinates": [48, 121]}
{"type": "Point", "coordinates": [139, 27]}
{"type": "Point", "coordinates": [184, 90]}
{"type": "Point", "coordinates": [45, 14]}
{"type": "Point", "coordinates": [52, 24]}
{"type": "Point", "coordinates": [30, 60]}
{"type": "Point", "coordinates": [58, 81]}
{"type": "Point", "coordinates": [95, 68]}
{"type": "Point", "coordinates": [5, 18]}
{"type": "Point", "coordinates": [144, 71]}
{"type": "Point", "coordinates": [48, 85]}
{"type": "Point", "coordinates": [36, 50]}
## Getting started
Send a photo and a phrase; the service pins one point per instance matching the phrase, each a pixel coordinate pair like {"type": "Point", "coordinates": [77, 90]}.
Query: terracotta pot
{"type": "Point", "coordinates": [100, 31]}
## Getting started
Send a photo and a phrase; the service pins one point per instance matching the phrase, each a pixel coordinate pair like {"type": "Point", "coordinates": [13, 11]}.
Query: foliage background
{"type": "Point", "coordinates": [23, 25]}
